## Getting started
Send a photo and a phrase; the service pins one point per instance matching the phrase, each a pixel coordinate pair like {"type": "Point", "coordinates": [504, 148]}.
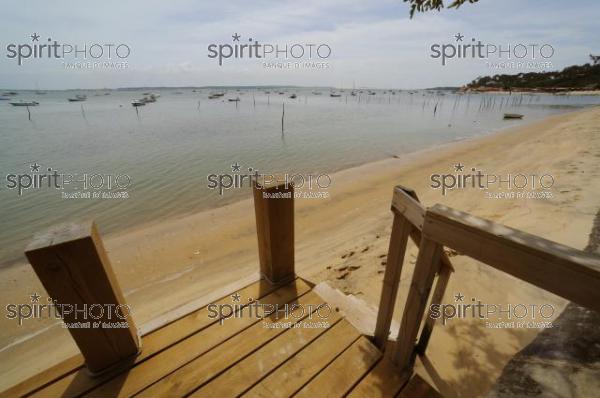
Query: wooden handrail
{"type": "Point", "coordinates": [565, 271]}
{"type": "Point", "coordinates": [409, 216]}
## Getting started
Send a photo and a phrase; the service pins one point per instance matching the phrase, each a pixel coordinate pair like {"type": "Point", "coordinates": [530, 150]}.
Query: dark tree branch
{"type": "Point", "coordinates": [427, 5]}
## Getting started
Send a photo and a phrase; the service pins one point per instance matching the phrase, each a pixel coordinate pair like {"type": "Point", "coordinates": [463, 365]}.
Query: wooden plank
{"type": "Point", "coordinates": [383, 381]}
{"type": "Point", "coordinates": [436, 298]}
{"type": "Point", "coordinates": [362, 315]}
{"type": "Point", "coordinates": [201, 370]}
{"type": "Point", "coordinates": [337, 379]}
{"type": "Point", "coordinates": [275, 229]}
{"type": "Point", "coordinates": [244, 374]}
{"type": "Point", "coordinates": [418, 388]}
{"type": "Point", "coordinates": [426, 267]}
{"type": "Point", "coordinates": [72, 264]}
{"type": "Point", "coordinates": [408, 205]}
{"type": "Point", "coordinates": [248, 287]}
{"type": "Point", "coordinates": [45, 377]}
{"type": "Point", "coordinates": [410, 199]}
{"type": "Point", "coordinates": [298, 370]}
{"type": "Point", "coordinates": [193, 335]}
{"type": "Point", "coordinates": [567, 272]}
{"type": "Point", "coordinates": [393, 270]}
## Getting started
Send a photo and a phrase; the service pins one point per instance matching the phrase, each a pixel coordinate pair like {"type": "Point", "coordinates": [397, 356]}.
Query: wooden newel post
{"type": "Point", "coordinates": [274, 208]}
{"type": "Point", "coordinates": [72, 264]}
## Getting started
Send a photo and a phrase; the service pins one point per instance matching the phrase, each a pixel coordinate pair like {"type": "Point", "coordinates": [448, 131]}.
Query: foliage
{"type": "Point", "coordinates": [576, 76]}
{"type": "Point", "coordinates": [426, 5]}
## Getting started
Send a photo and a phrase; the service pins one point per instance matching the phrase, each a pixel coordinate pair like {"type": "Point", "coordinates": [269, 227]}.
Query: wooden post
{"type": "Point", "coordinates": [391, 279]}
{"type": "Point", "coordinates": [274, 208]}
{"type": "Point", "coordinates": [72, 264]}
{"type": "Point", "coordinates": [436, 298]}
{"type": "Point", "coordinates": [426, 267]}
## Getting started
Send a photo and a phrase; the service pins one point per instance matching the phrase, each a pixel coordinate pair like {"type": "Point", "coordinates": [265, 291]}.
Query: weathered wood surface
{"type": "Point", "coordinates": [246, 356]}
{"type": "Point", "coordinates": [391, 279]}
{"type": "Point", "coordinates": [72, 265]}
{"type": "Point", "coordinates": [426, 267]}
{"type": "Point", "coordinates": [274, 210]}
{"type": "Point", "coordinates": [562, 270]}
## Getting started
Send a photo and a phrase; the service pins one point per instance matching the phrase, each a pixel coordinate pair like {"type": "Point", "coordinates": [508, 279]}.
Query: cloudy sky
{"type": "Point", "coordinates": [373, 42]}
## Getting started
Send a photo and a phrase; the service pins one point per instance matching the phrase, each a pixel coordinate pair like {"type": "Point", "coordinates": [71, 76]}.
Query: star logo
{"type": "Point", "coordinates": [35, 297]}
{"type": "Point", "coordinates": [35, 37]}
{"type": "Point", "coordinates": [35, 167]}
{"type": "Point", "coordinates": [236, 167]}
{"type": "Point", "coordinates": [236, 297]}
{"type": "Point", "coordinates": [459, 297]}
{"type": "Point", "coordinates": [459, 166]}
{"type": "Point", "coordinates": [459, 37]}
{"type": "Point", "coordinates": [236, 37]}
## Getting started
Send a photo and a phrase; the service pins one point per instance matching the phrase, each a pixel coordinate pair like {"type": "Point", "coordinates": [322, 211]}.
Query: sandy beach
{"type": "Point", "coordinates": [343, 240]}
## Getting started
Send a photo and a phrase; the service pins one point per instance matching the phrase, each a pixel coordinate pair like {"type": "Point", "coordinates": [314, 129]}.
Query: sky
{"type": "Point", "coordinates": [373, 43]}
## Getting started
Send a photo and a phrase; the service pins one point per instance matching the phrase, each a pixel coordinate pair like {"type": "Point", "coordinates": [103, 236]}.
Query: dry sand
{"type": "Point", "coordinates": [165, 265]}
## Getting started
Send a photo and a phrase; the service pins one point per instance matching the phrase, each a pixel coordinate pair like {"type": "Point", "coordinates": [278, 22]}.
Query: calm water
{"type": "Point", "coordinates": [169, 147]}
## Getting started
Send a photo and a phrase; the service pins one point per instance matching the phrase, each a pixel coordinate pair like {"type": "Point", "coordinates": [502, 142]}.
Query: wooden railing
{"type": "Point", "coordinates": [409, 215]}
{"type": "Point", "coordinates": [567, 272]}
{"type": "Point", "coordinates": [75, 270]}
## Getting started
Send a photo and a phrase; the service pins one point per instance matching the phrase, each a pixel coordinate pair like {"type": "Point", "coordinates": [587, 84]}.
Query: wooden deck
{"type": "Point", "coordinates": [244, 356]}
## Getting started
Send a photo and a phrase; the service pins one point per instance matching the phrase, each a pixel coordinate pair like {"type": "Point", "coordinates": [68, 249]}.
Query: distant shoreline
{"type": "Point", "coordinates": [540, 90]}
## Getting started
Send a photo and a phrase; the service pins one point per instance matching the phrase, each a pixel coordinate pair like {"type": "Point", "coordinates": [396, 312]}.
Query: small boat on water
{"type": "Point", "coordinates": [513, 116]}
{"type": "Point", "coordinates": [293, 96]}
{"type": "Point", "coordinates": [317, 93]}
{"type": "Point", "coordinates": [10, 93]}
{"type": "Point", "coordinates": [353, 94]}
{"type": "Point", "coordinates": [334, 95]}
{"type": "Point", "coordinates": [78, 98]}
{"type": "Point", "coordinates": [149, 98]}
{"type": "Point", "coordinates": [25, 103]}
{"type": "Point", "coordinates": [215, 95]}
{"type": "Point", "coordinates": [234, 99]}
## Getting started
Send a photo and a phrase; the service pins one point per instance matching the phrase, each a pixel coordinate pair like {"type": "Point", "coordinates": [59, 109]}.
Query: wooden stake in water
{"type": "Point", "coordinates": [28, 112]}
{"type": "Point", "coordinates": [282, 117]}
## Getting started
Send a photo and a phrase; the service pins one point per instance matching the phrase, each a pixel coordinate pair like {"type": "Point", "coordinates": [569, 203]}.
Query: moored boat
{"type": "Point", "coordinates": [513, 116]}
{"type": "Point", "coordinates": [25, 103]}
{"type": "Point", "coordinates": [78, 98]}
